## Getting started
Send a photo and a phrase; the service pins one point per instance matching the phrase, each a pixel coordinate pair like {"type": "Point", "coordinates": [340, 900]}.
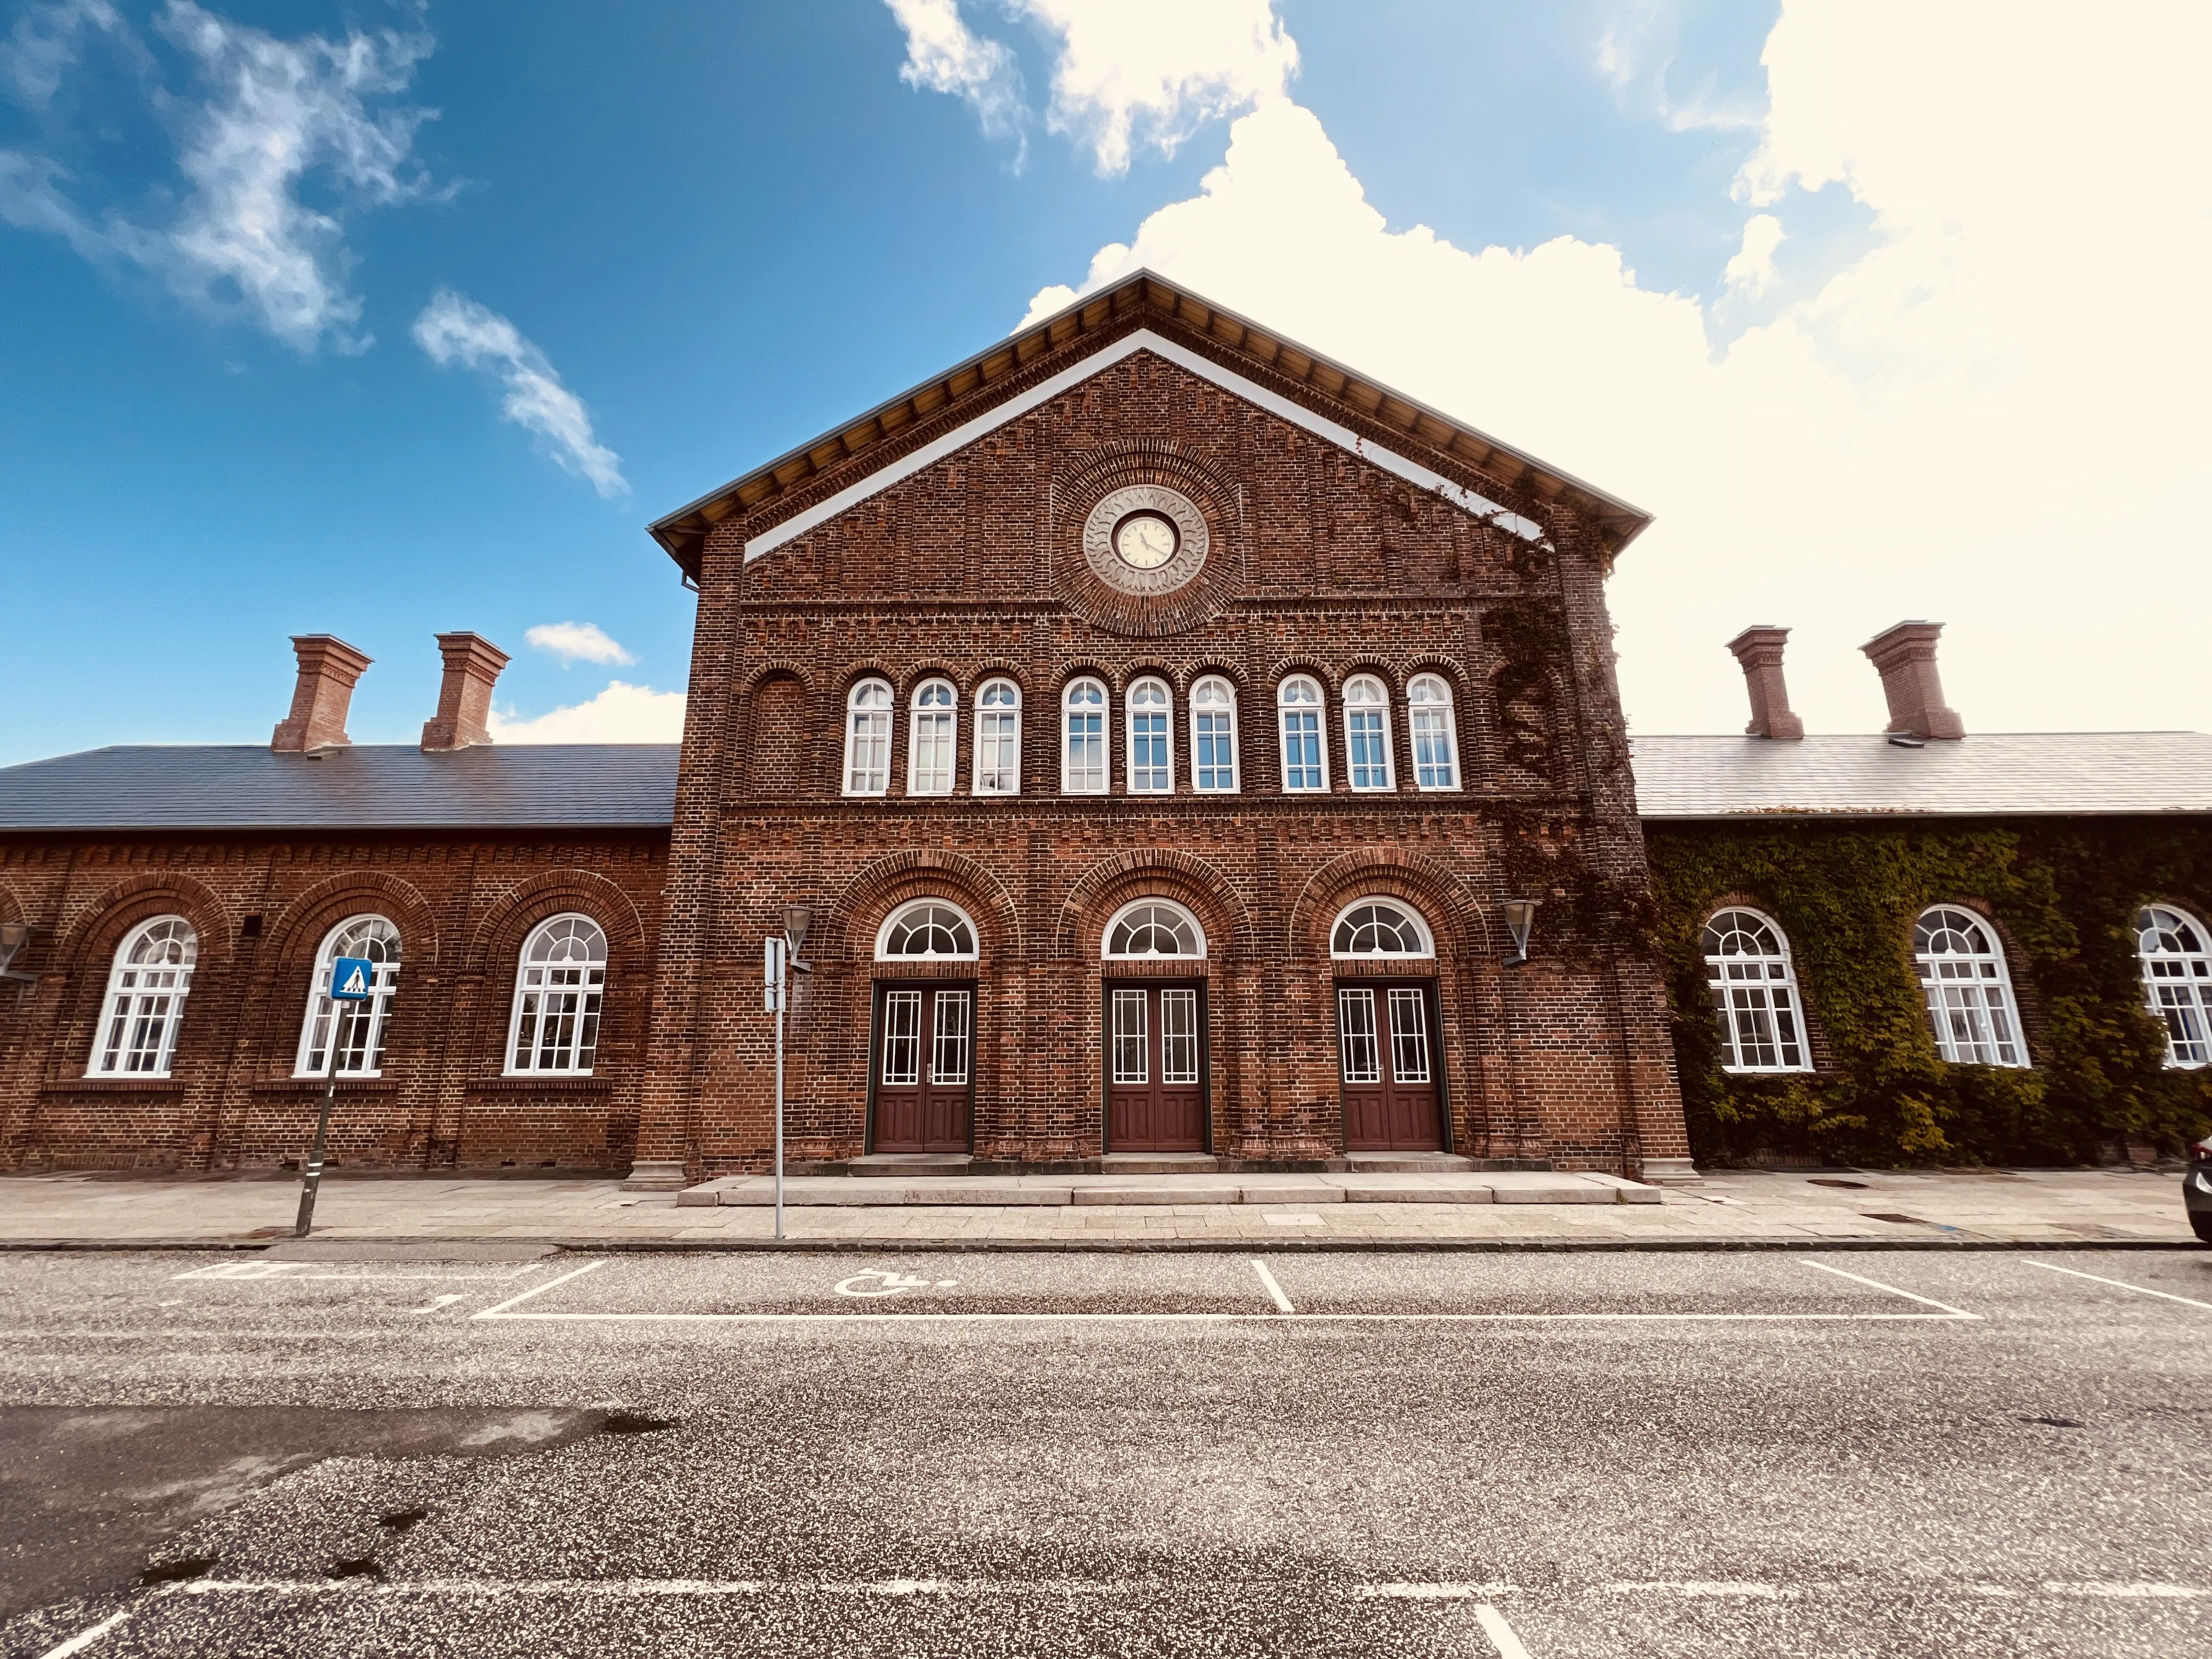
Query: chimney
{"type": "Point", "coordinates": [472, 663]}
{"type": "Point", "coordinates": [1759, 649]}
{"type": "Point", "coordinates": [328, 669]}
{"type": "Point", "coordinates": [1906, 658]}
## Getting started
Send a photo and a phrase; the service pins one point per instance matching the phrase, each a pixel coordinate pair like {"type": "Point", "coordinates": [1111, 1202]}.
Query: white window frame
{"type": "Point", "coordinates": [1367, 698]}
{"type": "Point", "coordinates": [910, 910]}
{"type": "Point", "coordinates": [1214, 698]}
{"type": "Point", "coordinates": [141, 995]}
{"type": "Point", "coordinates": [933, 729]}
{"type": "Point", "coordinates": [1158, 780]}
{"type": "Point", "coordinates": [1428, 939]}
{"type": "Point", "coordinates": [2176, 984]}
{"type": "Point", "coordinates": [1769, 997]}
{"type": "Point", "coordinates": [1317, 710]}
{"type": "Point", "coordinates": [533, 987]}
{"type": "Point", "coordinates": [868, 707]}
{"type": "Point", "coordinates": [1981, 1000]}
{"type": "Point", "coordinates": [1102, 712]}
{"type": "Point", "coordinates": [1422, 706]}
{"type": "Point", "coordinates": [997, 723]}
{"type": "Point", "coordinates": [360, 1026]}
{"type": "Point", "coordinates": [1107, 953]}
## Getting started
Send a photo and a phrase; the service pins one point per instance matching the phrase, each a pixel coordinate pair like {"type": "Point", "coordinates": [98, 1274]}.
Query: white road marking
{"type": "Point", "coordinates": [294, 1272]}
{"type": "Point", "coordinates": [1267, 1283]}
{"type": "Point", "coordinates": [1701, 1587]}
{"type": "Point", "coordinates": [85, 1638]}
{"type": "Point", "coordinates": [874, 1281]}
{"type": "Point", "coordinates": [2129, 1592]}
{"type": "Point", "coordinates": [1956, 1313]}
{"type": "Point", "coordinates": [1499, 1632]}
{"type": "Point", "coordinates": [2140, 1290]}
{"type": "Point", "coordinates": [1435, 1592]}
{"type": "Point", "coordinates": [438, 1301]}
{"type": "Point", "coordinates": [540, 1289]}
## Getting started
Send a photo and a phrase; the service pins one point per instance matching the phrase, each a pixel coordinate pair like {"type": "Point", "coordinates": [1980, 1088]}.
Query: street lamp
{"type": "Point", "coordinates": [782, 962]}
{"type": "Point", "coordinates": [1520, 921]}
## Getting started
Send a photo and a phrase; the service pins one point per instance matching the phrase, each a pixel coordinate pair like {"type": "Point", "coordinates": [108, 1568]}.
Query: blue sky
{"type": "Point", "coordinates": [700, 232]}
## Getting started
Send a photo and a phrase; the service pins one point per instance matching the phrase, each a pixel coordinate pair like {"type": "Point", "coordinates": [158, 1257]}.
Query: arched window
{"type": "Point", "coordinates": [1083, 738]}
{"type": "Point", "coordinates": [998, 739]}
{"type": "Point", "coordinates": [1379, 927]}
{"type": "Point", "coordinates": [1152, 928]}
{"type": "Point", "coordinates": [360, 1024]}
{"type": "Point", "coordinates": [1436, 735]}
{"type": "Point", "coordinates": [1367, 734]}
{"type": "Point", "coordinates": [1151, 715]}
{"type": "Point", "coordinates": [927, 930]}
{"type": "Point", "coordinates": [1962, 970]}
{"type": "Point", "coordinates": [1754, 993]}
{"type": "Point", "coordinates": [2177, 971]}
{"type": "Point", "coordinates": [1305, 756]}
{"type": "Point", "coordinates": [556, 998]}
{"type": "Point", "coordinates": [146, 993]}
{"type": "Point", "coordinates": [868, 738]}
{"type": "Point", "coordinates": [933, 739]}
{"type": "Point", "coordinates": [1213, 736]}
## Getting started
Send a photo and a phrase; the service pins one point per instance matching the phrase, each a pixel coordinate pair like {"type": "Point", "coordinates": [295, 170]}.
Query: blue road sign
{"type": "Point", "coordinates": [352, 980]}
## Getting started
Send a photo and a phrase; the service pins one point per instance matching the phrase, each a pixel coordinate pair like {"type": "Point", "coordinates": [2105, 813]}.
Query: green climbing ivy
{"type": "Point", "coordinates": [2065, 896]}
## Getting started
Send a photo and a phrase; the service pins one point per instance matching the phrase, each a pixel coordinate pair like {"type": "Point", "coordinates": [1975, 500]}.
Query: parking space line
{"type": "Point", "coordinates": [1499, 1632]}
{"type": "Point", "coordinates": [2121, 1283]}
{"type": "Point", "coordinates": [85, 1638]}
{"type": "Point", "coordinates": [540, 1289]}
{"type": "Point", "coordinates": [1910, 1296]}
{"type": "Point", "coordinates": [1267, 1283]}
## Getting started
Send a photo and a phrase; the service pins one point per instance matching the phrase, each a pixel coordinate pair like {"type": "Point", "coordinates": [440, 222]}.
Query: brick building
{"type": "Point", "coordinates": [1159, 723]}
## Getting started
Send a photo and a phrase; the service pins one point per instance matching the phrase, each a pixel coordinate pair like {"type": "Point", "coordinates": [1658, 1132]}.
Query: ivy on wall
{"type": "Point", "coordinates": [2064, 897]}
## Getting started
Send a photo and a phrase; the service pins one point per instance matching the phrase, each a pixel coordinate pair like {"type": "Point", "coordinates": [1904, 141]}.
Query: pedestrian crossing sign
{"type": "Point", "coordinates": [352, 979]}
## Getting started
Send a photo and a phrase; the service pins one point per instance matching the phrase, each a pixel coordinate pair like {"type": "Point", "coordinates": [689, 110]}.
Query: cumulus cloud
{"type": "Point", "coordinates": [455, 329]}
{"type": "Point", "coordinates": [577, 642]}
{"type": "Point", "coordinates": [1753, 271]}
{"type": "Point", "coordinates": [621, 714]}
{"type": "Point", "coordinates": [943, 55]}
{"type": "Point", "coordinates": [255, 120]}
{"type": "Point", "coordinates": [1988, 417]}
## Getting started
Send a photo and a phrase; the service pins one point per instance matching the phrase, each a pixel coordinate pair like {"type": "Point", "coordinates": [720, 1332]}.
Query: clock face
{"type": "Point", "coordinates": [1146, 541]}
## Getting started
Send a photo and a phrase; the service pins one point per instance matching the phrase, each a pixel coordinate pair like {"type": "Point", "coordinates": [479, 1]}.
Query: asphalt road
{"type": "Point", "coordinates": [983, 1455]}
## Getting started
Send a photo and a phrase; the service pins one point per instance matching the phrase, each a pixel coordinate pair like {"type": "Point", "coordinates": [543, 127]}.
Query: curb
{"type": "Point", "coordinates": [1567, 1246]}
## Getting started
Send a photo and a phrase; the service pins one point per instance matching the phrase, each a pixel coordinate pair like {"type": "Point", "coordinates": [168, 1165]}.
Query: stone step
{"type": "Point", "coordinates": [908, 1166]}
{"type": "Point", "coordinates": [1408, 1163]}
{"type": "Point", "coordinates": [1156, 1164]}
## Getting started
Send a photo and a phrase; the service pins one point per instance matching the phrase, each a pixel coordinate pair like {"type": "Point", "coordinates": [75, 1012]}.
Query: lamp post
{"type": "Point", "coordinates": [783, 961]}
{"type": "Point", "coordinates": [1520, 922]}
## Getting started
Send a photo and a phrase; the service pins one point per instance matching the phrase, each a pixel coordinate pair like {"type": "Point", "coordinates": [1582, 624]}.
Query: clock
{"type": "Point", "coordinates": [1146, 541]}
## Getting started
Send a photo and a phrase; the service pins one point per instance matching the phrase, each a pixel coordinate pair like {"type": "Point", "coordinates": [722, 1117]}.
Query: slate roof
{"type": "Point", "coordinates": [367, 786]}
{"type": "Point", "coordinates": [2021, 773]}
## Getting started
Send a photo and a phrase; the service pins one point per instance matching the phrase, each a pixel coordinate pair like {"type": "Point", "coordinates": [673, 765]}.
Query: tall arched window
{"type": "Point", "coordinates": [1305, 756]}
{"type": "Point", "coordinates": [1213, 736]}
{"type": "Point", "coordinates": [868, 738]}
{"type": "Point", "coordinates": [998, 739]}
{"type": "Point", "coordinates": [1379, 927]}
{"type": "Point", "coordinates": [557, 992]}
{"type": "Point", "coordinates": [933, 739]}
{"type": "Point", "coordinates": [1367, 734]}
{"type": "Point", "coordinates": [360, 1024]}
{"type": "Point", "coordinates": [1151, 715]}
{"type": "Point", "coordinates": [146, 993]}
{"type": "Point", "coordinates": [927, 930]}
{"type": "Point", "coordinates": [2177, 971]}
{"type": "Point", "coordinates": [1083, 738]}
{"type": "Point", "coordinates": [1962, 971]}
{"type": "Point", "coordinates": [1152, 928]}
{"type": "Point", "coordinates": [1754, 993]}
{"type": "Point", "coordinates": [1436, 734]}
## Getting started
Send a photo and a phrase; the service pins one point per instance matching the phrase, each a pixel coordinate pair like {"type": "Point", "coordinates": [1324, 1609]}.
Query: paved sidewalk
{"type": "Point", "coordinates": [1733, 1207]}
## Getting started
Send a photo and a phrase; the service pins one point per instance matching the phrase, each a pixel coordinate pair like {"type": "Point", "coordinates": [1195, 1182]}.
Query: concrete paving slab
{"type": "Point", "coordinates": [1157, 1192]}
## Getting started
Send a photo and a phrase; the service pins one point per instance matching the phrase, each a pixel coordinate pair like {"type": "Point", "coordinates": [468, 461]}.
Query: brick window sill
{"type": "Point", "coordinates": [346, 1085]}
{"type": "Point", "coordinates": [542, 1085]}
{"type": "Point", "coordinates": [116, 1085]}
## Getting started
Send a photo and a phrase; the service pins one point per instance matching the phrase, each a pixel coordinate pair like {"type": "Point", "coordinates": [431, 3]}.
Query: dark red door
{"type": "Point", "coordinates": [924, 1055]}
{"type": "Point", "coordinates": [1387, 1055]}
{"type": "Point", "coordinates": [1155, 1058]}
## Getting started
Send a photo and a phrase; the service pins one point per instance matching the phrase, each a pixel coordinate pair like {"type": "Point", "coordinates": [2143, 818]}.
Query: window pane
{"type": "Point", "coordinates": [868, 753]}
{"type": "Point", "coordinates": [1129, 1036]}
{"type": "Point", "coordinates": [1367, 751]}
{"type": "Point", "coordinates": [1409, 1035]}
{"type": "Point", "coordinates": [1301, 749]}
{"type": "Point", "coordinates": [1434, 766]}
{"type": "Point", "coordinates": [1178, 1037]}
{"type": "Point", "coordinates": [1149, 771]}
{"type": "Point", "coordinates": [999, 754]}
{"type": "Point", "coordinates": [948, 1062]}
{"type": "Point", "coordinates": [1215, 751]}
{"type": "Point", "coordinates": [902, 1038]}
{"type": "Point", "coordinates": [1085, 770]}
{"type": "Point", "coordinates": [1355, 1022]}
{"type": "Point", "coordinates": [930, 768]}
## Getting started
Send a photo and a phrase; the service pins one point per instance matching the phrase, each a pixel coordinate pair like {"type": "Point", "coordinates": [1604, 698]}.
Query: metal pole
{"type": "Point", "coordinates": [782, 996]}
{"type": "Point", "coordinates": [314, 1174]}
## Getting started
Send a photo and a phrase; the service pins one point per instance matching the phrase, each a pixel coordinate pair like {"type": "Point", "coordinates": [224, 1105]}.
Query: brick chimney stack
{"type": "Point", "coordinates": [1906, 658]}
{"type": "Point", "coordinates": [329, 668]}
{"type": "Point", "coordinates": [1759, 649]}
{"type": "Point", "coordinates": [472, 665]}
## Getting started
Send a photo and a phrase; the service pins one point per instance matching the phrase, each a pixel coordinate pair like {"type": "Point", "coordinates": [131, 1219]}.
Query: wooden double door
{"type": "Point", "coordinates": [1156, 1067]}
{"type": "Point", "coordinates": [924, 1066]}
{"type": "Point", "coordinates": [1387, 1057]}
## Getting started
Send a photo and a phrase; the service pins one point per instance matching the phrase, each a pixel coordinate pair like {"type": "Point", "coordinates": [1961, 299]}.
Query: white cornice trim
{"type": "Point", "coordinates": [1074, 375]}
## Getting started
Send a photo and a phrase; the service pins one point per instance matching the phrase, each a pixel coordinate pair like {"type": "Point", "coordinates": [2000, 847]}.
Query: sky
{"type": "Point", "coordinates": [381, 320]}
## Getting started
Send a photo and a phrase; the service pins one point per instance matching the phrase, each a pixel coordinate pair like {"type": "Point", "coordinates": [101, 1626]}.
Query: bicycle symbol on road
{"type": "Point", "coordinates": [874, 1282]}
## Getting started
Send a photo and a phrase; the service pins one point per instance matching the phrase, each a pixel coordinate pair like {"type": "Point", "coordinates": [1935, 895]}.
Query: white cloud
{"type": "Point", "coordinates": [942, 55]}
{"type": "Point", "coordinates": [265, 116]}
{"type": "Point", "coordinates": [577, 642]}
{"type": "Point", "coordinates": [621, 714]}
{"type": "Point", "coordinates": [455, 329]}
{"type": "Point", "coordinates": [1992, 418]}
{"type": "Point", "coordinates": [1752, 272]}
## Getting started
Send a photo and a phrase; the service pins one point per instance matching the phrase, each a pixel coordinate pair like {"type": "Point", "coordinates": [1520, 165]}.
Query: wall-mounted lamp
{"type": "Point", "coordinates": [1520, 921]}
{"type": "Point", "coordinates": [796, 920]}
{"type": "Point", "coordinates": [13, 935]}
